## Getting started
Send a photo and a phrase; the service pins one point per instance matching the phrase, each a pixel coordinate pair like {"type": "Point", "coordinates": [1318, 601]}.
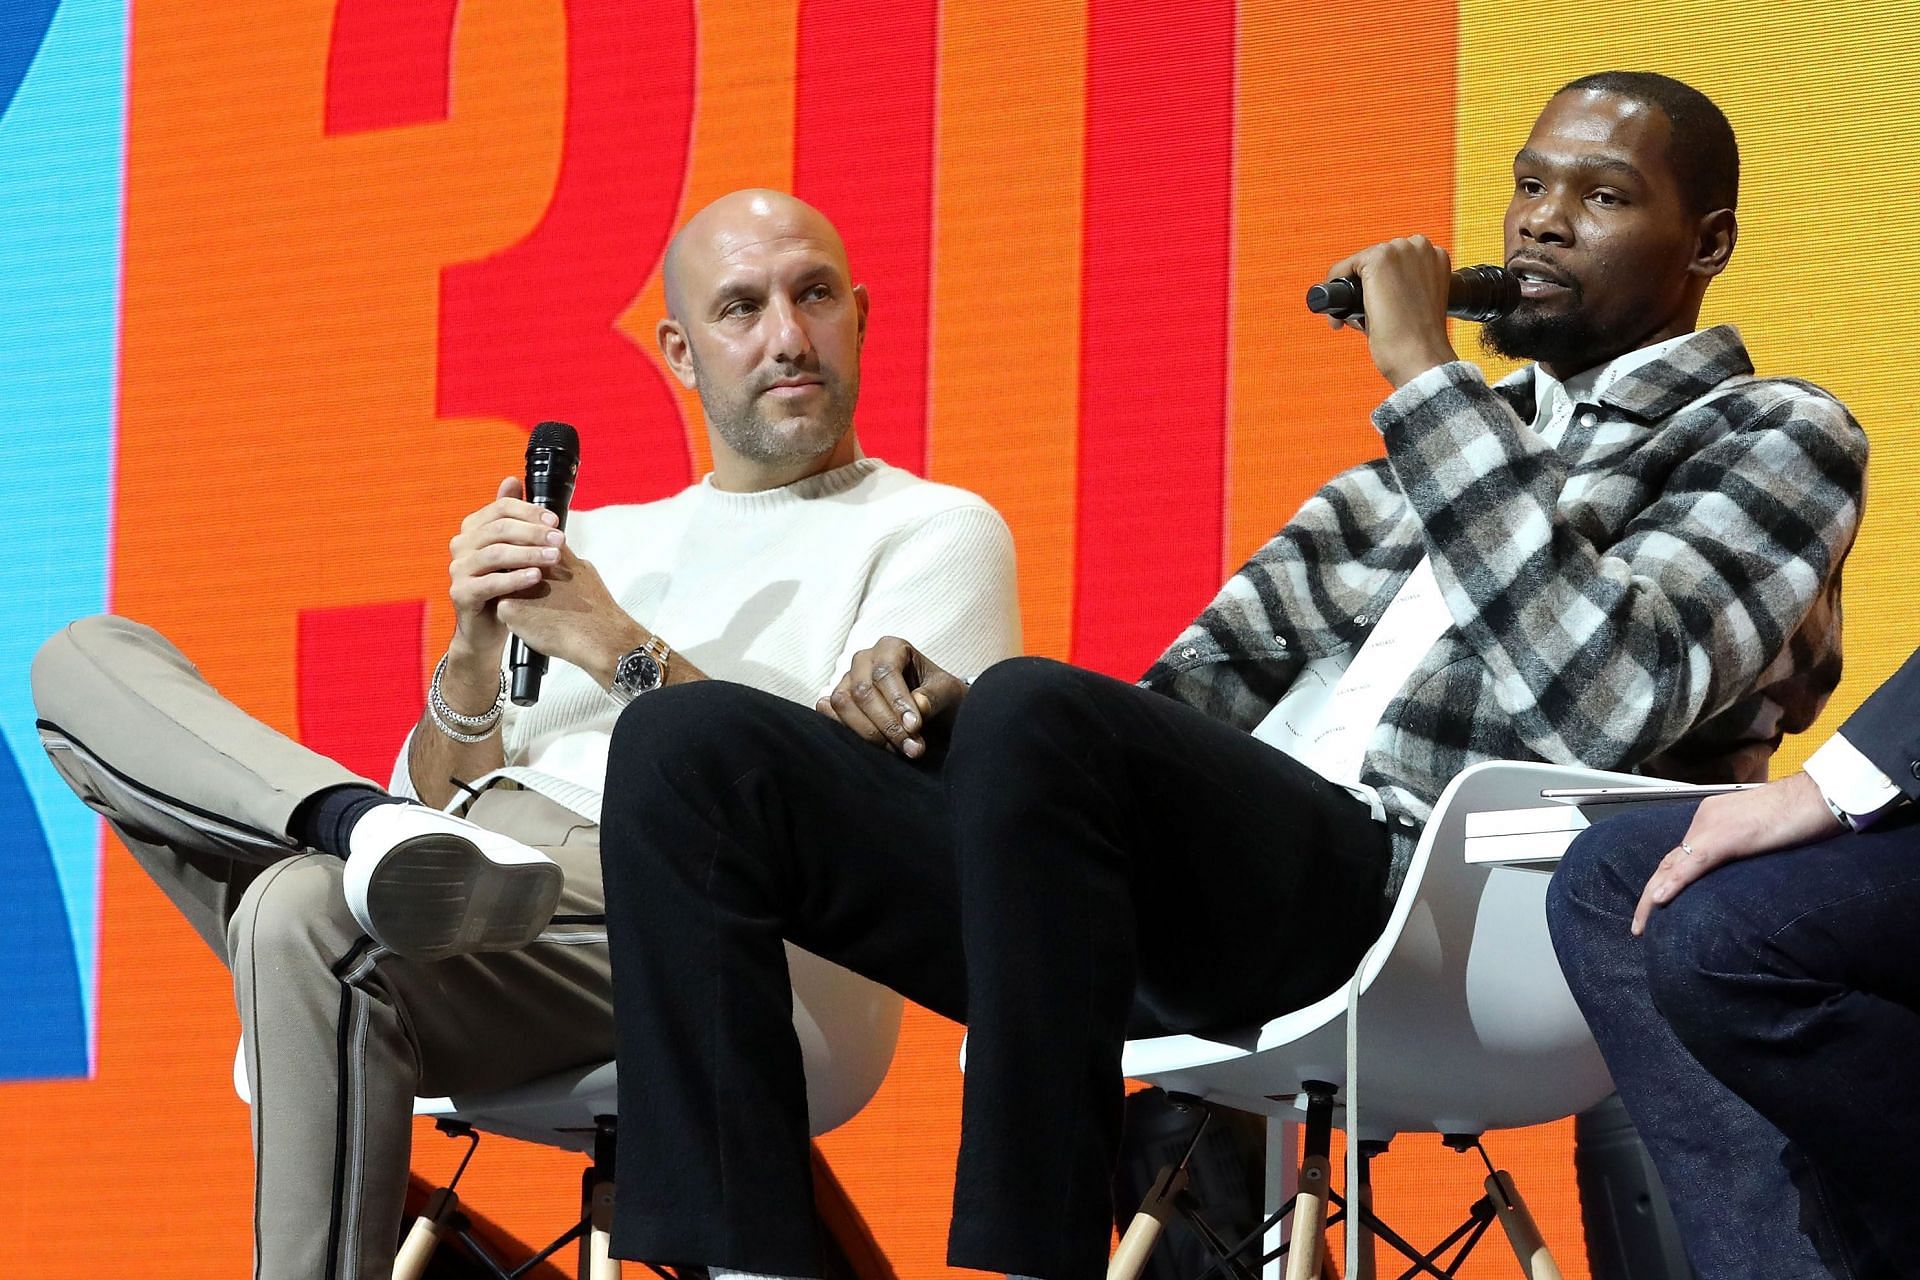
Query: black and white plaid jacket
{"type": "Point", "coordinates": [1660, 592]}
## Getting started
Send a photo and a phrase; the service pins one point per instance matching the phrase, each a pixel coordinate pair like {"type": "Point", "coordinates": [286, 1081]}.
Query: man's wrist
{"type": "Point", "coordinates": [1807, 813]}
{"type": "Point", "coordinates": [1410, 399]}
{"type": "Point", "coordinates": [469, 681]}
{"type": "Point", "coordinates": [619, 641]}
{"type": "Point", "coordinates": [460, 726]}
{"type": "Point", "coordinates": [1401, 369]}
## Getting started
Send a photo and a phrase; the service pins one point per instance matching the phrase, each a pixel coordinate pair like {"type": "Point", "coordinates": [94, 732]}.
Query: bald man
{"type": "Point", "coordinates": [392, 942]}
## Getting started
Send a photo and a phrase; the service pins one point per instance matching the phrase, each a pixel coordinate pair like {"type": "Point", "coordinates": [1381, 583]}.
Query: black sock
{"type": "Point", "coordinates": [324, 819]}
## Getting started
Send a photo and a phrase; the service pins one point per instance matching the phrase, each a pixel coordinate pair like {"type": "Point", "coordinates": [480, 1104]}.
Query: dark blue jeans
{"type": "Point", "coordinates": [1764, 1037]}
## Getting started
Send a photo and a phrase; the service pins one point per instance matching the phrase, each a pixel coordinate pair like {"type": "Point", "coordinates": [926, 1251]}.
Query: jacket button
{"type": "Point", "coordinates": [1914, 768]}
{"type": "Point", "coordinates": [1587, 419]}
{"type": "Point", "coordinates": [1362, 620]}
{"type": "Point", "coordinates": [1189, 653]}
{"type": "Point", "coordinates": [1280, 641]}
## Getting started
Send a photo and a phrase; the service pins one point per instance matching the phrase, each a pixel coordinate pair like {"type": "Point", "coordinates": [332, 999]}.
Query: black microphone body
{"type": "Point", "coordinates": [1474, 293]}
{"type": "Point", "coordinates": [553, 464]}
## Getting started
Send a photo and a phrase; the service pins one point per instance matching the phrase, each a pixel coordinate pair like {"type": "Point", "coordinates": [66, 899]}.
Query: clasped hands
{"type": "Point", "coordinates": [894, 696]}
{"type": "Point", "coordinates": [514, 573]}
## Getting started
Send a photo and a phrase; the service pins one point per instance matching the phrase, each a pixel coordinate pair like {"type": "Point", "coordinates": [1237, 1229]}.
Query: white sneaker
{"type": "Point", "coordinates": [427, 885]}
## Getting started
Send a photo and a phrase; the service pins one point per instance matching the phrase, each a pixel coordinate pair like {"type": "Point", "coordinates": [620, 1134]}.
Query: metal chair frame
{"type": "Point", "coordinates": [1316, 1207]}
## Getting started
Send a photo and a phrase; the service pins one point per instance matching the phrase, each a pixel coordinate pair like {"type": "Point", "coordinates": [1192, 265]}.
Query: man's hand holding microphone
{"type": "Point", "coordinates": [515, 577]}
{"type": "Point", "coordinates": [514, 574]}
{"type": "Point", "coordinates": [1408, 286]}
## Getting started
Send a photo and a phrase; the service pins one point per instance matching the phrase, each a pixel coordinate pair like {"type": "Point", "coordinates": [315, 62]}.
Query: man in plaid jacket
{"type": "Point", "coordinates": [1626, 555]}
{"type": "Point", "coordinates": [1660, 591]}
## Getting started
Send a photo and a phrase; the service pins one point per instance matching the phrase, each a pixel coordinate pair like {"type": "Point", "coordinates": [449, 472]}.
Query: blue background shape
{"type": "Point", "coordinates": [39, 977]}
{"type": "Point", "coordinates": [63, 106]}
{"type": "Point", "coordinates": [22, 27]}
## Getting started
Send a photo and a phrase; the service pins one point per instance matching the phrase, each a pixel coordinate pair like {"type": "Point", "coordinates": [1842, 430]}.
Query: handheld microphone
{"type": "Point", "coordinates": [553, 464]}
{"type": "Point", "coordinates": [1474, 293]}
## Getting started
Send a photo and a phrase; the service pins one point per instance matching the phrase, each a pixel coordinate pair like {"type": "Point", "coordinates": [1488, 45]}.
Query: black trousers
{"type": "Point", "coordinates": [1087, 861]}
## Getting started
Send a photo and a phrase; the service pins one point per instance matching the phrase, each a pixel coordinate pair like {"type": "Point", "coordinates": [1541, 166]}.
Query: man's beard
{"type": "Point", "coordinates": [1570, 338]}
{"type": "Point", "coordinates": [746, 430]}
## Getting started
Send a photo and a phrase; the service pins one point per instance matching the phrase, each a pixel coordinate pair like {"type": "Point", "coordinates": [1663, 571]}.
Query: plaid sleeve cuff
{"type": "Point", "coordinates": [1417, 391]}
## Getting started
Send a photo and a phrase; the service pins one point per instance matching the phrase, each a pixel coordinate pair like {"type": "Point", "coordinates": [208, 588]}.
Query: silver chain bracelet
{"type": "Point", "coordinates": [447, 730]}
{"type": "Point", "coordinates": [456, 725]}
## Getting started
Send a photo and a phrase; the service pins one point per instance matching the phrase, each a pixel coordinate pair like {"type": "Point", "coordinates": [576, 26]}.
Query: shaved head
{"type": "Point", "coordinates": [765, 322]}
{"type": "Point", "coordinates": [734, 222]}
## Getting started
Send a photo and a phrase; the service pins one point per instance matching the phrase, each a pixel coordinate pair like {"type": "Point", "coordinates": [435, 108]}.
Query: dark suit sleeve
{"type": "Point", "coordinates": [1886, 728]}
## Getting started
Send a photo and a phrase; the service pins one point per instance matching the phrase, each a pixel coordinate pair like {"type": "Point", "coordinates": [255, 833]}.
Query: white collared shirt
{"type": "Point", "coordinates": [1554, 401]}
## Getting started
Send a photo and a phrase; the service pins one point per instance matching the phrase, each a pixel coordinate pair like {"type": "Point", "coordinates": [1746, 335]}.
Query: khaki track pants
{"type": "Point", "coordinates": [339, 1035]}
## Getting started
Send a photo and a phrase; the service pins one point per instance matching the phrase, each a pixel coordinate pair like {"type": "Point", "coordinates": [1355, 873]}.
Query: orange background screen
{"type": "Point", "coordinates": [368, 242]}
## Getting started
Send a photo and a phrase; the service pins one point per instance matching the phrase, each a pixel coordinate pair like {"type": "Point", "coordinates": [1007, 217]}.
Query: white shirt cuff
{"type": "Point", "coordinates": [1851, 783]}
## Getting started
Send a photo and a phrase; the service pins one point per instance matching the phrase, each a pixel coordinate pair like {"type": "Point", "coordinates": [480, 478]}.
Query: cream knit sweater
{"type": "Point", "coordinates": [776, 590]}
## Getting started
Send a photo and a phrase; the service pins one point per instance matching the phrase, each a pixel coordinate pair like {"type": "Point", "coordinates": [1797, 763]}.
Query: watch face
{"type": "Point", "coordinates": [638, 673]}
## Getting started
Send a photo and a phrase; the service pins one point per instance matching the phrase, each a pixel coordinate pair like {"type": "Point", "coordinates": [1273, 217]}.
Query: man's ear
{"type": "Point", "coordinates": [673, 346]}
{"type": "Point", "coordinates": [860, 303]}
{"type": "Point", "coordinates": [1715, 237]}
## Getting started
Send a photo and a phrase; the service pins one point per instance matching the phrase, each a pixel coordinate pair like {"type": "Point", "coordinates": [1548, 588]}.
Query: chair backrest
{"type": "Point", "coordinates": [1465, 1023]}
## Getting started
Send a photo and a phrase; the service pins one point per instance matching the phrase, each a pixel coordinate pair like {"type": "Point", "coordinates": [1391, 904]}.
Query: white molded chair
{"type": "Point", "coordinates": [1464, 1025]}
{"type": "Point", "coordinates": [847, 1027]}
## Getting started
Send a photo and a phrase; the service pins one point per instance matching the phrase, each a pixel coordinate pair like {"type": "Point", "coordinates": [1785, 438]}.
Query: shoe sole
{"type": "Point", "coordinates": [434, 896]}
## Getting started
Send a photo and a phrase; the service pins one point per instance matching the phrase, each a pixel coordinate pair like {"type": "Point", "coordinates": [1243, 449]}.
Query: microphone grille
{"type": "Point", "coordinates": [1494, 291]}
{"type": "Point", "coordinates": [555, 435]}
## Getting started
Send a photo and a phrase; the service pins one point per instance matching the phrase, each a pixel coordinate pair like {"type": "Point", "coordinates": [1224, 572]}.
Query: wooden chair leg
{"type": "Point", "coordinates": [601, 1265]}
{"type": "Point", "coordinates": [1164, 1200]}
{"type": "Point", "coordinates": [1528, 1246]}
{"type": "Point", "coordinates": [1309, 1222]}
{"type": "Point", "coordinates": [596, 1195]}
{"type": "Point", "coordinates": [425, 1235]}
{"type": "Point", "coordinates": [1143, 1233]}
{"type": "Point", "coordinates": [440, 1217]}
